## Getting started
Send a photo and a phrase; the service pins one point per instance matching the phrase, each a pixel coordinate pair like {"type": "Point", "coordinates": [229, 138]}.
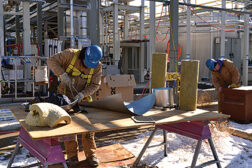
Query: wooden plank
{"type": "Point", "coordinates": [114, 155]}
{"type": "Point", "coordinates": [110, 153]}
{"type": "Point", "coordinates": [102, 120]}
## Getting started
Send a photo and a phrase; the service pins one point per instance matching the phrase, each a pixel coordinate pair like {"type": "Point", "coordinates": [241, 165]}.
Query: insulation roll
{"type": "Point", "coordinates": [44, 114]}
{"type": "Point", "coordinates": [159, 69]}
{"type": "Point", "coordinates": [189, 85]}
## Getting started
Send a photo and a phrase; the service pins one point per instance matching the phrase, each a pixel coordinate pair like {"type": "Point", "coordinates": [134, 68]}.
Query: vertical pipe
{"type": "Point", "coordinates": [211, 43]}
{"type": "Point", "coordinates": [60, 18]}
{"type": "Point", "coordinates": [15, 71]}
{"type": "Point", "coordinates": [152, 31]}
{"type": "Point", "coordinates": [246, 49]}
{"type": "Point", "coordinates": [126, 26]}
{"type": "Point", "coordinates": [72, 24]}
{"type": "Point", "coordinates": [93, 22]}
{"type": "Point", "coordinates": [1, 42]}
{"type": "Point", "coordinates": [83, 24]}
{"type": "Point", "coordinates": [27, 42]}
{"type": "Point", "coordinates": [188, 32]}
{"type": "Point", "coordinates": [173, 36]}
{"type": "Point", "coordinates": [106, 29]}
{"type": "Point", "coordinates": [18, 40]}
{"type": "Point", "coordinates": [116, 47]}
{"type": "Point", "coordinates": [79, 29]}
{"type": "Point", "coordinates": [39, 29]}
{"type": "Point", "coordinates": [141, 56]}
{"type": "Point", "coordinates": [102, 31]}
{"type": "Point", "coordinates": [223, 17]}
{"type": "Point", "coordinates": [27, 30]}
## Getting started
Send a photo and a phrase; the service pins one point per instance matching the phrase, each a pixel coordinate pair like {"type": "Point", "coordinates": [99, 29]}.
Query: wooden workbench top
{"type": "Point", "coordinates": [102, 120]}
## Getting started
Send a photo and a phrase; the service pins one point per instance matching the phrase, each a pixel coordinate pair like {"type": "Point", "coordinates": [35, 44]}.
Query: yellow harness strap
{"type": "Point", "coordinates": [76, 72]}
{"type": "Point", "coordinates": [71, 65]}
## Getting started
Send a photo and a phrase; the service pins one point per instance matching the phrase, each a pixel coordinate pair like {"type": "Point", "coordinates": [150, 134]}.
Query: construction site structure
{"type": "Point", "coordinates": [129, 32]}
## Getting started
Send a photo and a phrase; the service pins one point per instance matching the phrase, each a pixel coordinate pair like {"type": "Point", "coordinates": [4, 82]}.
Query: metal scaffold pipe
{"type": "Point", "coordinates": [1, 42]}
{"type": "Point", "coordinates": [72, 24]}
{"type": "Point", "coordinates": [246, 50]}
{"type": "Point", "coordinates": [188, 34]}
{"type": "Point", "coordinates": [223, 20]}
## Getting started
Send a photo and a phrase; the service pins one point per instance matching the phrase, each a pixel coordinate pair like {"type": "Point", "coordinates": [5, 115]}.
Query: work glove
{"type": "Point", "coordinates": [79, 97]}
{"type": "Point", "coordinates": [65, 79]}
{"type": "Point", "coordinates": [233, 86]}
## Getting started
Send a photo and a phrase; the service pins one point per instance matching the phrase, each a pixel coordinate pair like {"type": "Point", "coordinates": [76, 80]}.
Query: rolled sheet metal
{"type": "Point", "coordinates": [116, 103]}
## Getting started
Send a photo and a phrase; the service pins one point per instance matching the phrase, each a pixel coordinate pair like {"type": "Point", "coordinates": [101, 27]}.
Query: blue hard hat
{"type": "Point", "coordinates": [210, 63]}
{"type": "Point", "coordinates": [93, 55]}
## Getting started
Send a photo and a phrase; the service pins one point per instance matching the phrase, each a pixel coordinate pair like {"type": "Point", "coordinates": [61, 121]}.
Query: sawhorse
{"type": "Point", "coordinates": [198, 130]}
{"type": "Point", "coordinates": [48, 151]}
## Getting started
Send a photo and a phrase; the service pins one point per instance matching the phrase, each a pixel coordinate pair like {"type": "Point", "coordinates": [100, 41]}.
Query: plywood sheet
{"type": "Point", "coordinates": [104, 120]}
{"type": "Point", "coordinates": [110, 153]}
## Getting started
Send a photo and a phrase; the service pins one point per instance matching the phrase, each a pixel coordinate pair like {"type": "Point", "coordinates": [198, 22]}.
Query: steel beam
{"type": "Point", "coordinates": [13, 13]}
{"type": "Point", "coordinates": [188, 34]}
{"type": "Point", "coordinates": [27, 42]}
{"type": "Point", "coordinates": [223, 16]}
{"type": "Point", "coordinates": [1, 42]}
{"type": "Point", "coordinates": [72, 25]}
{"type": "Point", "coordinates": [39, 28]}
{"type": "Point", "coordinates": [93, 22]}
{"type": "Point", "coordinates": [173, 55]}
{"type": "Point", "coordinates": [141, 57]}
{"type": "Point", "coordinates": [1, 30]}
{"type": "Point", "coordinates": [126, 27]}
{"type": "Point", "coordinates": [34, 14]}
{"type": "Point", "coordinates": [116, 37]}
{"type": "Point", "coordinates": [152, 31]}
{"type": "Point", "coordinates": [17, 19]}
{"type": "Point", "coordinates": [167, 2]}
{"type": "Point", "coordinates": [60, 18]}
{"type": "Point", "coordinates": [246, 50]}
{"type": "Point", "coordinates": [129, 8]}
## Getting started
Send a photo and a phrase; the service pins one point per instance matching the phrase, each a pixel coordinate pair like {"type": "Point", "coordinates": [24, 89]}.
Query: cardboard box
{"type": "Point", "coordinates": [115, 84]}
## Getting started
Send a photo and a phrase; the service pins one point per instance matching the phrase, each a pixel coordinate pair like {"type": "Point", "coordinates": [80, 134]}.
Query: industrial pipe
{"type": "Point", "coordinates": [72, 24]}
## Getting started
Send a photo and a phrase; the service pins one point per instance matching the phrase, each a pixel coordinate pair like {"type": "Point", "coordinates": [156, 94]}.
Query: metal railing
{"type": "Point", "coordinates": [34, 61]}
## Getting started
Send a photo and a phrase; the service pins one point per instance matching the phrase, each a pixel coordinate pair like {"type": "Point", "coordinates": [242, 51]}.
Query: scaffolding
{"type": "Point", "coordinates": [15, 76]}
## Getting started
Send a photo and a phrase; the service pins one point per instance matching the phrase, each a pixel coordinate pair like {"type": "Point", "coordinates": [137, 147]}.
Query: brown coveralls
{"type": "Point", "coordinates": [58, 64]}
{"type": "Point", "coordinates": [229, 75]}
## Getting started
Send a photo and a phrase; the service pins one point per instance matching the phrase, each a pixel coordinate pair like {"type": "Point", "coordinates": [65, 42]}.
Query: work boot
{"type": "Point", "coordinates": [73, 161]}
{"type": "Point", "coordinates": [92, 161]}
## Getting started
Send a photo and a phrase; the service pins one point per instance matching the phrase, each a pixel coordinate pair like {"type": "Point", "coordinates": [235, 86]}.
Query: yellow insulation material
{"type": "Point", "coordinates": [159, 69]}
{"type": "Point", "coordinates": [189, 85]}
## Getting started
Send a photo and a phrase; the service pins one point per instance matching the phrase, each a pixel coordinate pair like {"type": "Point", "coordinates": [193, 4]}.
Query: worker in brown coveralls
{"type": "Point", "coordinates": [224, 75]}
{"type": "Point", "coordinates": [82, 70]}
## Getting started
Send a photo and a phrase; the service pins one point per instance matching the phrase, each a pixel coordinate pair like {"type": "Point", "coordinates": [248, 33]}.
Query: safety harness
{"type": "Point", "coordinates": [76, 72]}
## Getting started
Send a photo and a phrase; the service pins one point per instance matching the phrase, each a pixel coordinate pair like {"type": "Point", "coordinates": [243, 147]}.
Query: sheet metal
{"type": "Point", "coordinates": [116, 103]}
